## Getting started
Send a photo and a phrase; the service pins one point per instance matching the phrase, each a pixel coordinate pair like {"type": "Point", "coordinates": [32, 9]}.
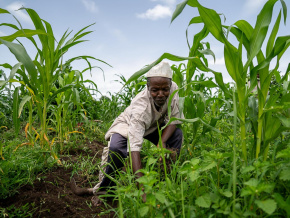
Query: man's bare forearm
{"type": "Point", "coordinates": [167, 133]}
{"type": "Point", "coordinates": [136, 163]}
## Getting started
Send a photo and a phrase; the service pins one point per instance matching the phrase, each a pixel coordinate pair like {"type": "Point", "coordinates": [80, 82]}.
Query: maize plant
{"type": "Point", "coordinates": [68, 106]}
{"type": "Point", "coordinates": [251, 38]}
{"type": "Point", "coordinates": [40, 75]}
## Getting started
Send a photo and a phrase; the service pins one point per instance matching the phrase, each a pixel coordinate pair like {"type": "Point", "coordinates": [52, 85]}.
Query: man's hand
{"type": "Point", "coordinates": [136, 162]}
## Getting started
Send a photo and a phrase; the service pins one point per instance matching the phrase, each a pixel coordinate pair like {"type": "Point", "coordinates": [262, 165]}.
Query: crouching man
{"type": "Point", "coordinates": [139, 121]}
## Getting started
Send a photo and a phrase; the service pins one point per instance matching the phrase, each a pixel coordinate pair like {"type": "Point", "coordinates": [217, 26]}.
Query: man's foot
{"type": "Point", "coordinates": [96, 201]}
{"type": "Point", "coordinates": [79, 191]}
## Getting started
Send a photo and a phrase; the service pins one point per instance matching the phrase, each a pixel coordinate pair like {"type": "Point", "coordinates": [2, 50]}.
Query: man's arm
{"type": "Point", "coordinates": [167, 133]}
{"type": "Point", "coordinates": [136, 162]}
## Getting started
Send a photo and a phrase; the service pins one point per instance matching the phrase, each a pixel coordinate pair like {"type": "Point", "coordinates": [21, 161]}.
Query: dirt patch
{"type": "Point", "coordinates": [50, 194]}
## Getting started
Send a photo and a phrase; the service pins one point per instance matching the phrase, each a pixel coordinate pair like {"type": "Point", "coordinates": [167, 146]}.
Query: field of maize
{"type": "Point", "coordinates": [235, 158]}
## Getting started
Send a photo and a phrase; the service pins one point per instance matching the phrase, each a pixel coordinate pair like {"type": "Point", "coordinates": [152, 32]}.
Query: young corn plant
{"type": "Point", "coordinates": [251, 38]}
{"type": "Point", "coordinates": [40, 75]}
{"type": "Point", "coordinates": [68, 106]}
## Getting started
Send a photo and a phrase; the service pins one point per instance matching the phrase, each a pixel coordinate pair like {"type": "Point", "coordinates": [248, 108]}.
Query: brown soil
{"type": "Point", "coordinates": [51, 196]}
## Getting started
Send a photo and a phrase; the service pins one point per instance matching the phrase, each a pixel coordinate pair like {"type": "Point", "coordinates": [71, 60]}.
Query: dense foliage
{"type": "Point", "coordinates": [235, 159]}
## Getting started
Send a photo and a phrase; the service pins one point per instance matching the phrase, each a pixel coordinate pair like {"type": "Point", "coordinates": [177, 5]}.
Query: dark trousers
{"type": "Point", "coordinates": [118, 151]}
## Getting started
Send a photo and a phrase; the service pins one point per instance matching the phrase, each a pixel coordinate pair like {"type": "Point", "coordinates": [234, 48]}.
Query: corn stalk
{"type": "Point", "coordinates": [40, 75]}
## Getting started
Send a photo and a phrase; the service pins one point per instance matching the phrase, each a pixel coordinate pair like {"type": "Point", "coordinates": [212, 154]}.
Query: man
{"type": "Point", "coordinates": [139, 121]}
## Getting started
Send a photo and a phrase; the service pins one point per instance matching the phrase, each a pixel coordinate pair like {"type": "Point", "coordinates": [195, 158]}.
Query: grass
{"type": "Point", "coordinates": [22, 166]}
{"type": "Point", "coordinates": [235, 157]}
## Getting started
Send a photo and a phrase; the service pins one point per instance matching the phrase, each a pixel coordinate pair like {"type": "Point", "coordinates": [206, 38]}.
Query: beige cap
{"type": "Point", "coordinates": [160, 70]}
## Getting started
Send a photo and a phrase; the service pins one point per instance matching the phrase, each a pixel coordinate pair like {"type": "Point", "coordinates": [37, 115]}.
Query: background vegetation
{"type": "Point", "coordinates": [235, 159]}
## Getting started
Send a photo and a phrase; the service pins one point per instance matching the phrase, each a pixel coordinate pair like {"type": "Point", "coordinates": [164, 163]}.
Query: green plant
{"type": "Point", "coordinates": [39, 76]}
{"type": "Point", "coordinates": [252, 40]}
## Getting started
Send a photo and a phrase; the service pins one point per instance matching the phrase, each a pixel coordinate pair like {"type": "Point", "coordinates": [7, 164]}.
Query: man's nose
{"type": "Point", "coordinates": [160, 94]}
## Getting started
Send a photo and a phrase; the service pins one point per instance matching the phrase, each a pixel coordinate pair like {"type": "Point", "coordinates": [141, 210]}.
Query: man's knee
{"type": "Point", "coordinates": [176, 139]}
{"type": "Point", "coordinates": [178, 135]}
{"type": "Point", "coordinates": [118, 145]}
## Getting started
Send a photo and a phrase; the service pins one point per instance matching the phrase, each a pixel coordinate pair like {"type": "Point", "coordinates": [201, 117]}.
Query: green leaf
{"type": "Point", "coordinates": [151, 199]}
{"type": "Point", "coordinates": [284, 153]}
{"type": "Point", "coordinates": [247, 169]}
{"type": "Point", "coordinates": [14, 70]}
{"type": "Point", "coordinates": [252, 183]}
{"type": "Point", "coordinates": [193, 175]}
{"type": "Point", "coordinates": [261, 29]}
{"type": "Point", "coordinates": [16, 120]}
{"type": "Point", "coordinates": [284, 120]}
{"type": "Point", "coordinates": [281, 203]}
{"type": "Point", "coordinates": [246, 192]}
{"type": "Point", "coordinates": [59, 91]}
{"type": "Point", "coordinates": [207, 83]}
{"type": "Point", "coordinates": [22, 103]}
{"type": "Point", "coordinates": [228, 194]}
{"type": "Point", "coordinates": [148, 67]}
{"type": "Point", "coordinates": [10, 25]}
{"type": "Point", "coordinates": [203, 201]}
{"type": "Point", "coordinates": [22, 56]}
{"type": "Point", "coordinates": [194, 161]}
{"type": "Point", "coordinates": [212, 21]}
{"type": "Point", "coordinates": [285, 174]}
{"type": "Point", "coordinates": [143, 211]}
{"type": "Point", "coordinates": [178, 10]}
{"type": "Point", "coordinates": [207, 52]}
{"type": "Point", "coordinates": [269, 205]}
{"type": "Point", "coordinates": [284, 10]}
{"type": "Point", "coordinates": [22, 33]}
{"type": "Point", "coordinates": [5, 104]}
{"type": "Point", "coordinates": [3, 11]}
{"type": "Point", "coordinates": [151, 161]}
{"type": "Point", "coordinates": [268, 188]}
{"type": "Point", "coordinates": [160, 197]}
{"type": "Point", "coordinates": [208, 166]}
{"type": "Point", "coordinates": [195, 20]}
{"type": "Point", "coordinates": [273, 35]}
{"type": "Point", "coordinates": [170, 100]}
{"type": "Point", "coordinates": [234, 64]}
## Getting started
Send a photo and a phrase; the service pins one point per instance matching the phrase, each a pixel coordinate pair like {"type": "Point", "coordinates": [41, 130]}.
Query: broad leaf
{"type": "Point", "coordinates": [160, 197]}
{"type": "Point", "coordinates": [269, 205]}
{"type": "Point", "coordinates": [285, 174]}
{"type": "Point", "coordinates": [143, 211]}
{"type": "Point", "coordinates": [203, 201]}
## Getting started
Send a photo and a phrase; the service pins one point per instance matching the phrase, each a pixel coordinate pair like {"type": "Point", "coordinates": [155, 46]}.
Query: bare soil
{"type": "Point", "coordinates": [51, 196]}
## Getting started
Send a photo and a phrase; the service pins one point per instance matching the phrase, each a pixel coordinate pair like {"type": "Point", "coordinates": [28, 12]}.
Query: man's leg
{"type": "Point", "coordinates": [115, 160]}
{"type": "Point", "coordinates": [174, 141]}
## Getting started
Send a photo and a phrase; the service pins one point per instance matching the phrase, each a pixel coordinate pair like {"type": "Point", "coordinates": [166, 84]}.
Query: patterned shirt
{"type": "Point", "coordinates": [140, 118]}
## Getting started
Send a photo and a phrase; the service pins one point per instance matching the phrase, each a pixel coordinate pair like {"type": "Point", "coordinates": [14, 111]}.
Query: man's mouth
{"type": "Point", "coordinates": [160, 101]}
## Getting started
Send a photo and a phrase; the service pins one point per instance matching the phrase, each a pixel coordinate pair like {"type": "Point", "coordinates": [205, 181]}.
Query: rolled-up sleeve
{"type": "Point", "coordinates": [136, 133]}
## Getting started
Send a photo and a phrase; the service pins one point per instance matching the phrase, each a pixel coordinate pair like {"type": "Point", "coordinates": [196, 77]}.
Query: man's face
{"type": "Point", "coordinates": [159, 88]}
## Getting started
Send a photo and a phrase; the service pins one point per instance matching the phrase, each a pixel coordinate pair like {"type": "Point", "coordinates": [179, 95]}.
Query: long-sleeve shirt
{"type": "Point", "coordinates": [140, 118]}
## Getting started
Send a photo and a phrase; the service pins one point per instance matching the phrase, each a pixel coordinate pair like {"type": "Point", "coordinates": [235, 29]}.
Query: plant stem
{"type": "Point", "coordinates": [234, 150]}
